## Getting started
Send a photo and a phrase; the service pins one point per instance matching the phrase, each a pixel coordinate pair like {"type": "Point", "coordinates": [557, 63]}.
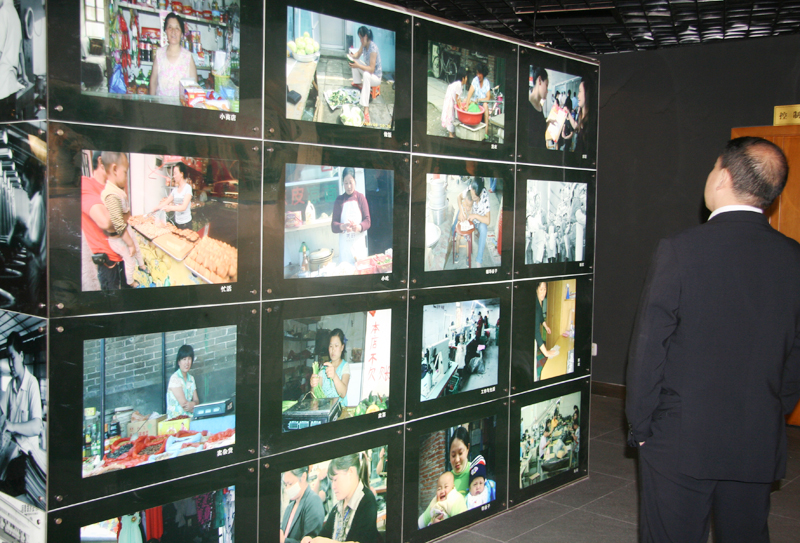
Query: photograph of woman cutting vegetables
{"type": "Point", "coordinates": [354, 514]}
{"type": "Point", "coordinates": [351, 220]}
{"type": "Point", "coordinates": [182, 389]}
{"type": "Point", "coordinates": [334, 375]}
{"type": "Point", "coordinates": [366, 68]}
{"type": "Point", "coordinates": [177, 214]}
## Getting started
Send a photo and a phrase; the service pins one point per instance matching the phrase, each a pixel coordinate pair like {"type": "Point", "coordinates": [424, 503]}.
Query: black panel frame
{"type": "Point", "coordinates": [425, 31]}
{"type": "Point", "coordinates": [270, 478]}
{"type": "Point", "coordinates": [67, 103]}
{"type": "Point", "coordinates": [415, 431]}
{"type": "Point", "coordinates": [538, 173]}
{"type": "Point", "coordinates": [64, 524]}
{"type": "Point", "coordinates": [273, 439]}
{"type": "Point", "coordinates": [278, 127]}
{"type": "Point", "coordinates": [527, 154]}
{"type": "Point", "coordinates": [421, 168]}
{"type": "Point", "coordinates": [64, 210]}
{"type": "Point", "coordinates": [518, 495]}
{"type": "Point", "coordinates": [415, 407]}
{"type": "Point", "coordinates": [276, 156]}
{"type": "Point", "coordinates": [67, 486]}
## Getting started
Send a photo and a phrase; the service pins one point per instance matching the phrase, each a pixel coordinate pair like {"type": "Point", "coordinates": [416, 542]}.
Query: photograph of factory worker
{"type": "Point", "coordinates": [446, 493]}
{"type": "Point", "coordinates": [303, 515]}
{"type": "Point", "coordinates": [714, 362]}
{"type": "Point", "coordinates": [555, 222]}
{"type": "Point", "coordinates": [549, 440]}
{"type": "Point", "coordinates": [459, 356]}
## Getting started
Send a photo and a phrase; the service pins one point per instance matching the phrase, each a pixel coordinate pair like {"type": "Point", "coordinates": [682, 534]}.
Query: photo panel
{"type": "Point", "coordinates": [133, 211]}
{"type": "Point", "coordinates": [465, 93]}
{"type": "Point", "coordinates": [337, 74]}
{"type": "Point", "coordinates": [331, 367]}
{"type": "Point", "coordinates": [151, 396]}
{"type": "Point", "coordinates": [456, 469]}
{"type": "Point", "coordinates": [23, 453]}
{"type": "Point", "coordinates": [23, 217]}
{"type": "Point", "coordinates": [302, 492]}
{"type": "Point", "coordinates": [137, 64]}
{"type": "Point", "coordinates": [213, 506]}
{"type": "Point", "coordinates": [24, 92]}
{"type": "Point", "coordinates": [554, 221]}
{"type": "Point", "coordinates": [340, 218]}
{"type": "Point", "coordinates": [461, 336]}
{"type": "Point", "coordinates": [458, 211]}
{"type": "Point", "coordinates": [552, 427]}
{"type": "Point", "coordinates": [558, 110]}
{"type": "Point", "coordinates": [552, 332]}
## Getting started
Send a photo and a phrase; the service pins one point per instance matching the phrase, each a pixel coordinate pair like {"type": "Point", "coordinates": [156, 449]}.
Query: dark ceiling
{"type": "Point", "coordinates": [615, 26]}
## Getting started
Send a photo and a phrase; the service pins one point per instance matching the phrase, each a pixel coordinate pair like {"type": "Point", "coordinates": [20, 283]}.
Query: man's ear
{"type": "Point", "coordinates": [724, 180]}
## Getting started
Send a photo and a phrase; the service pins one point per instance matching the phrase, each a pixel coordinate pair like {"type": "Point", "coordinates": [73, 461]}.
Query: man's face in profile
{"type": "Point", "coordinates": [16, 363]}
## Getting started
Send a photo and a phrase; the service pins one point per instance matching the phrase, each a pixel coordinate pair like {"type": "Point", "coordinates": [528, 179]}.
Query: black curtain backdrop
{"type": "Point", "coordinates": [664, 118]}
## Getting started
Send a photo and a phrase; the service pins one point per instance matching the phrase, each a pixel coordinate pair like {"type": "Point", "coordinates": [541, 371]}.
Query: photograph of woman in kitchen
{"type": "Point", "coordinates": [157, 220]}
{"type": "Point", "coordinates": [347, 80]}
{"type": "Point", "coordinates": [159, 56]}
{"type": "Point", "coordinates": [335, 367]}
{"type": "Point", "coordinates": [338, 221]}
{"type": "Point", "coordinates": [143, 424]}
{"type": "Point", "coordinates": [465, 459]}
{"type": "Point", "coordinates": [459, 347]}
{"type": "Point", "coordinates": [347, 492]}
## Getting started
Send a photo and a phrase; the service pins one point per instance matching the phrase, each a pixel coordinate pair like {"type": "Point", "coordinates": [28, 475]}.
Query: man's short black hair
{"type": "Point", "coordinates": [14, 341]}
{"type": "Point", "coordinates": [758, 169]}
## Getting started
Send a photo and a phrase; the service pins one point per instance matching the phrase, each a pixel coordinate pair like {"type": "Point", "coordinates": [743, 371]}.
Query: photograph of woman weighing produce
{"type": "Point", "coordinates": [157, 220]}
{"type": "Point", "coordinates": [335, 367]}
{"type": "Point", "coordinates": [164, 395]}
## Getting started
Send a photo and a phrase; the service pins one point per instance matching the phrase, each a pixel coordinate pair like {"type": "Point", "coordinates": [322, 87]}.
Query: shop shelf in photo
{"type": "Point", "coordinates": [558, 109]}
{"type": "Point", "coordinates": [339, 217]}
{"type": "Point", "coordinates": [461, 221]}
{"type": "Point", "coordinates": [23, 217]}
{"type": "Point", "coordinates": [338, 74]}
{"type": "Point", "coordinates": [465, 93]}
{"type": "Point", "coordinates": [213, 506]}
{"type": "Point", "coordinates": [458, 339]}
{"type": "Point", "coordinates": [135, 65]}
{"type": "Point", "coordinates": [331, 370]}
{"type": "Point", "coordinates": [552, 336]}
{"type": "Point", "coordinates": [554, 221]}
{"type": "Point", "coordinates": [549, 430]}
{"type": "Point", "coordinates": [301, 493]}
{"type": "Point", "coordinates": [456, 470]}
{"type": "Point", "coordinates": [143, 220]}
{"type": "Point", "coordinates": [147, 397]}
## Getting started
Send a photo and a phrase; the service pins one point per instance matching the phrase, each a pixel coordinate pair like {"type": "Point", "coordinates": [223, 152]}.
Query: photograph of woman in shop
{"type": "Point", "coordinates": [354, 515]}
{"type": "Point", "coordinates": [539, 322]}
{"type": "Point", "coordinates": [182, 389]}
{"type": "Point", "coordinates": [304, 513]}
{"type": "Point", "coordinates": [179, 200]}
{"type": "Point", "coordinates": [351, 220]}
{"type": "Point", "coordinates": [173, 62]}
{"type": "Point", "coordinates": [334, 376]}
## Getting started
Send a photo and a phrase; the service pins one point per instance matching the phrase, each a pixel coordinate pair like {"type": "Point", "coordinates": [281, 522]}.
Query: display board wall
{"type": "Point", "coordinates": [327, 277]}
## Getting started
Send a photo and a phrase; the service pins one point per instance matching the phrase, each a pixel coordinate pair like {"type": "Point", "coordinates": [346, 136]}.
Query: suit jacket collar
{"type": "Point", "coordinates": [740, 216]}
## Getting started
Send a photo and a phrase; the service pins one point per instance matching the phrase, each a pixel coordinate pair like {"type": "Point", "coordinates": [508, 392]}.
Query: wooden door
{"type": "Point", "coordinates": [784, 215]}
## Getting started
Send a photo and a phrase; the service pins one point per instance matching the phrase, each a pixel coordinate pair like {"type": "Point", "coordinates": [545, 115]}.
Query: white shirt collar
{"type": "Point", "coordinates": [725, 209]}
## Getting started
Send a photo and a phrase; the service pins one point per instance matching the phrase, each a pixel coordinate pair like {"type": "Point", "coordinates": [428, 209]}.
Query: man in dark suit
{"type": "Point", "coordinates": [714, 364]}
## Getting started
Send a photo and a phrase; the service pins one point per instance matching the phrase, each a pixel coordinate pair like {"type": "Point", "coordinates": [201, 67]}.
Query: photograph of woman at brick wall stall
{"type": "Point", "coordinates": [456, 470]}
{"type": "Point", "coordinates": [337, 500]}
{"type": "Point", "coordinates": [164, 395]}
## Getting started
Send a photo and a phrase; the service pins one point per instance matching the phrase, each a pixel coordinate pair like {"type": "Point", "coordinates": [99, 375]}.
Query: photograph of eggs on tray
{"type": "Point", "coordinates": [335, 367]}
{"type": "Point", "coordinates": [338, 221]}
{"type": "Point", "coordinates": [157, 220]}
{"type": "Point", "coordinates": [347, 78]}
{"type": "Point", "coordinates": [180, 401]}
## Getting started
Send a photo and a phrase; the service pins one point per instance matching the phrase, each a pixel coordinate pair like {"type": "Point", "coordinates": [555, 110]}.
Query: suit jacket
{"type": "Point", "coordinates": [364, 527]}
{"type": "Point", "coordinates": [308, 519]}
{"type": "Point", "coordinates": [714, 364]}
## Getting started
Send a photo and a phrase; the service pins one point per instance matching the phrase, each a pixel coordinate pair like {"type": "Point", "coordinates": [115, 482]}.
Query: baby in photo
{"type": "Point", "coordinates": [480, 491]}
{"type": "Point", "coordinates": [448, 501]}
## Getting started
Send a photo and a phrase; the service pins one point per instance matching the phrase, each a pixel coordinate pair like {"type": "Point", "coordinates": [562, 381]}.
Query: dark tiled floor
{"type": "Point", "coordinates": [604, 506]}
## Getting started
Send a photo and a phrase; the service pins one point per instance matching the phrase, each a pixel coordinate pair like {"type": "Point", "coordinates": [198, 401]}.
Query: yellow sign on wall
{"type": "Point", "coordinates": [786, 115]}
